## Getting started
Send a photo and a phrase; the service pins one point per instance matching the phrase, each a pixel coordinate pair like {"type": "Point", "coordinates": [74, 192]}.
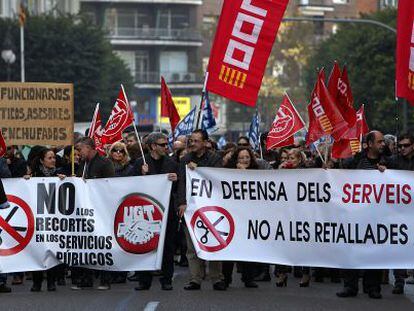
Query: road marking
{"type": "Point", "coordinates": [151, 306]}
{"type": "Point", "coordinates": [123, 304]}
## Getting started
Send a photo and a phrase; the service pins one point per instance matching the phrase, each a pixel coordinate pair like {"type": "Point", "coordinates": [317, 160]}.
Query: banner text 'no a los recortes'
{"type": "Point", "coordinates": [37, 113]}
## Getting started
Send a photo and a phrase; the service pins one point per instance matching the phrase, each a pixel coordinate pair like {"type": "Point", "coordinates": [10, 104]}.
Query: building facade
{"type": "Point", "coordinates": [155, 38]}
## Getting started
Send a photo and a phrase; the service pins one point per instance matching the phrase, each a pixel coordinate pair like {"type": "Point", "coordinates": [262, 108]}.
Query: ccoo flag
{"type": "Point", "coordinates": [405, 50]}
{"type": "Point", "coordinates": [242, 45]}
{"type": "Point", "coordinates": [324, 117]}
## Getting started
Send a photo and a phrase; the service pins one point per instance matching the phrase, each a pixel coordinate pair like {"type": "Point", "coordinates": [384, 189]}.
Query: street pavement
{"type": "Point", "coordinates": [319, 296]}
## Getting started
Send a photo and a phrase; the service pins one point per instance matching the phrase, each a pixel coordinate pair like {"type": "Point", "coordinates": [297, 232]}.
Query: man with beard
{"type": "Point", "coordinates": [198, 156]}
{"type": "Point", "coordinates": [371, 159]}
{"type": "Point", "coordinates": [158, 162]}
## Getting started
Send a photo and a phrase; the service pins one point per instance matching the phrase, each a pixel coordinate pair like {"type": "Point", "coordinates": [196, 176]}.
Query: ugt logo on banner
{"type": "Point", "coordinates": [138, 223]}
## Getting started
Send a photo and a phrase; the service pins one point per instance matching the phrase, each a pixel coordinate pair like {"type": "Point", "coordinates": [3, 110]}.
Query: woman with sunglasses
{"type": "Point", "coordinates": [243, 159]}
{"type": "Point", "coordinates": [120, 158]}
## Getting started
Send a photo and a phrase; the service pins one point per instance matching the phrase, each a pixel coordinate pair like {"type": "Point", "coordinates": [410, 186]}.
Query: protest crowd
{"type": "Point", "coordinates": [337, 137]}
{"type": "Point", "coordinates": [379, 152]}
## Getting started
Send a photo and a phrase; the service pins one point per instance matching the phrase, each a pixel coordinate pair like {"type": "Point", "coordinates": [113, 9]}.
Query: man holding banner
{"type": "Point", "coordinates": [158, 162]}
{"type": "Point", "coordinates": [371, 160]}
{"type": "Point", "coordinates": [199, 156]}
{"type": "Point", "coordinates": [92, 166]}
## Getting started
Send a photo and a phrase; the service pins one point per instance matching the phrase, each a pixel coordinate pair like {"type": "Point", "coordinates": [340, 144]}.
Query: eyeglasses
{"type": "Point", "coordinates": [404, 145]}
{"type": "Point", "coordinates": [118, 151]}
{"type": "Point", "coordinates": [162, 145]}
{"type": "Point", "coordinates": [243, 144]}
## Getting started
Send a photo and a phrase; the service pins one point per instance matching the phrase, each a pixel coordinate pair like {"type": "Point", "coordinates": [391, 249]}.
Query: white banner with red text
{"type": "Point", "coordinates": [310, 217]}
{"type": "Point", "coordinates": [115, 224]}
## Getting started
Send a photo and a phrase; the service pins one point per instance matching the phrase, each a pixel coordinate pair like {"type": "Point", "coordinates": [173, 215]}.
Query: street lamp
{"type": "Point", "coordinates": [7, 54]}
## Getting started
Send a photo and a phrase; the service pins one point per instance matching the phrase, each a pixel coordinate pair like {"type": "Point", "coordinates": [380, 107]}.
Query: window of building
{"type": "Point", "coordinates": [388, 3]}
{"type": "Point", "coordinates": [173, 64]}
{"type": "Point", "coordinates": [340, 1]}
{"type": "Point", "coordinates": [172, 18]}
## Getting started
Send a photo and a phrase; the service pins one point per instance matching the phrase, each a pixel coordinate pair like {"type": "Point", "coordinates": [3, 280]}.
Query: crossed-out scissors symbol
{"type": "Point", "coordinates": [7, 219]}
{"type": "Point", "coordinates": [200, 224]}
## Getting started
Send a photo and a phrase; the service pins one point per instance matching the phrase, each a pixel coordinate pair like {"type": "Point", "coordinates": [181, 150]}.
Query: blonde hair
{"type": "Point", "coordinates": [119, 145]}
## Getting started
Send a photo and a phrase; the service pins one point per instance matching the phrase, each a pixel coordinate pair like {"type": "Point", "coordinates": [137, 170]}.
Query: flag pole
{"type": "Point", "coordinates": [135, 128]}
{"type": "Point", "coordinates": [73, 160]}
{"type": "Point", "coordinates": [200, 108]}
{"type": "Point", "coordinates": [22, 21]}
{"type": "Point", "coordinates": [91, 130]}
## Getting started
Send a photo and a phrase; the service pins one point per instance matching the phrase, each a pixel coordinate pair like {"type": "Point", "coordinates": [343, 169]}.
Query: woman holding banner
{"type": "Point", "coordinates": [296, 159]}
{"type": "Point", "coordinates": [243, 158]}
{"type": "Point", "coordinates": [44, 165]}
{"type": "Point", "coordinates": [118, 154]}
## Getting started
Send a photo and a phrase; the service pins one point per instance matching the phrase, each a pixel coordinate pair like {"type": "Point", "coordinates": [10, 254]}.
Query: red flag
{"type": "Point", "coordinates": [3, 147]}
{"type": "Point", "coordinates": [96, 131]}
{"type": "Point", "coordinates": [121, 117]}
{"type": "Point", "coordinates": [324, 117]}
{"type": "Point", "coordinates": [351, 143]}
{"type": "Point", "coordinates": [286, 123]}
{"type": "Point", "coordinates": [340, 90]}
{"type": "Point", "coordinates": [345, 148]}
{"type": "Point", "coordinates": [244, 38]}
{"type": "Point", "coordinates": [405, 50]}
{"type": "Point", "coordinates": [168, 108]}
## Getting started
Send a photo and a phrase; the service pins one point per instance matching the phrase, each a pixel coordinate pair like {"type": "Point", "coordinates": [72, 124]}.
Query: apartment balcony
{"type": "Point", "coordinates": [314, 7]}
{"type": "Point", "coordinates": [151, 77]}
{"type": "Point", "coordinates": [155, 36]}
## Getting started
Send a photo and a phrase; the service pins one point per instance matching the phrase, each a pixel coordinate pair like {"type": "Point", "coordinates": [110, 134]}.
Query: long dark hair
{"type": "Point", "coordinates": [232, 163]}
{"type": "Point", "coordinates": [35, 164]}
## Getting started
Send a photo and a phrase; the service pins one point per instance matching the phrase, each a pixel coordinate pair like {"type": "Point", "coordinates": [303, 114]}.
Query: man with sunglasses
{"type": "Point", "coordinates": [158, 162]}
{"type": "Point", "coordinates": [403, 160]}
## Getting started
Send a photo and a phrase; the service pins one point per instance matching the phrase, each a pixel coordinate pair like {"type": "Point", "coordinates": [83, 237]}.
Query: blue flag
{"type": "Point", "coordinates": [254, 133]}
{"type": "Point", "coordinates": [184, 128]}
{"type": "Point", "coordinates": [209, 122]}
{"type": "Point", "coordinates": [221, 142]}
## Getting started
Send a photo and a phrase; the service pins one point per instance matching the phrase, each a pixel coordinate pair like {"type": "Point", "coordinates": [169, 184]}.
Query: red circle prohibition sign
{"type": "Point", "coordinates": [22, 241]}
{"type": "Point", "coordinates": [223, 238]}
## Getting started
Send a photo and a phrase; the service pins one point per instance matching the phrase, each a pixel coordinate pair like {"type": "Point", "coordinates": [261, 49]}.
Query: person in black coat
{"type": "Point", "coordinates": [4, 203]}
{"type": "Point", "coordinates": [158, 162]}
{"type": "Point", "coordinates": [44, 165]}
{"type": "Point", "coordinates": [92, 166]}
{"type": "Point", "coordinates": [372, 159]}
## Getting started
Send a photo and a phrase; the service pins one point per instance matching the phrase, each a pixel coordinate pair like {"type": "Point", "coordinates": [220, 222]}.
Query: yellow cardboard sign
{"type": "Point", "coordinates": [36, 113]}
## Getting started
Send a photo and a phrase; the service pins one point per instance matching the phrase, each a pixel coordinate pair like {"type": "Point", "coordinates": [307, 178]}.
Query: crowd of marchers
{"type": "Point", "coordinates": [379, 152]}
